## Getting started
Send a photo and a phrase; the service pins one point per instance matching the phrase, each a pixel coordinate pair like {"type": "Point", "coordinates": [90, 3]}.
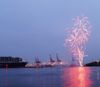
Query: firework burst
{"type": "Point", "coordinates": [77, 38]}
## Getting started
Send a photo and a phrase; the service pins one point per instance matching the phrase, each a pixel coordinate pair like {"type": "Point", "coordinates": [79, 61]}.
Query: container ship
{"type": "Point", "coordinates": [12, 62]}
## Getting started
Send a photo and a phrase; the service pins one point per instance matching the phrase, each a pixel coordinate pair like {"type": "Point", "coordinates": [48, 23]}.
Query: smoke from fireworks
{"type": "Point", "coordinates": [78, 36]}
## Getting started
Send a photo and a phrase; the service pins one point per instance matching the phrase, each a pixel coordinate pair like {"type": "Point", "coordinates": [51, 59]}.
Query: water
{"type": "Point", "coordinates": [50, 77]}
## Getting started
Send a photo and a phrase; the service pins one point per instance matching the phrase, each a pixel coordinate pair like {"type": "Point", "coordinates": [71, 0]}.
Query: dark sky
{"type": "Point", "coordinates": [31, 28]}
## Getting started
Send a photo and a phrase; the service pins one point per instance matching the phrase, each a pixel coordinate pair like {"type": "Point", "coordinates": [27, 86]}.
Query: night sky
{"type": "Point", "coordinates": [30, 28]}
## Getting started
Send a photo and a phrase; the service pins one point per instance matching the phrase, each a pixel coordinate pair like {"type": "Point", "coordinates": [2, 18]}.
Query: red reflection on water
{"type": "Point", "coordinates": [77, 77]}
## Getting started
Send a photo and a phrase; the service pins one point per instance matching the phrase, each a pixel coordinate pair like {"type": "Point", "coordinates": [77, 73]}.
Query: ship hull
{"type": "Point", "coordinates": [13, 65]}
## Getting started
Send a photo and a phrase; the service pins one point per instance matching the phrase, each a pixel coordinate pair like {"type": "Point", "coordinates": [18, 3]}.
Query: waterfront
{"type": "Point", "coordinates": [50, 77]}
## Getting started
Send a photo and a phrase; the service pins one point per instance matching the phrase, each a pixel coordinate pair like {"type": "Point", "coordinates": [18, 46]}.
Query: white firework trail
{"type": "Point", "coordinates": [78, 36]}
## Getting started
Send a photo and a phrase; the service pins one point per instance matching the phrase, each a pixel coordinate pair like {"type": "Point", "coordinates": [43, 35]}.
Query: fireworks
{"type": "Point", "coordinates": [77, 38]}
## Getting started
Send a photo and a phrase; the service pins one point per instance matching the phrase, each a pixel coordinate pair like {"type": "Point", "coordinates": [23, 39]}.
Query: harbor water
{"type": "Point", "coordinates": [50, 77]}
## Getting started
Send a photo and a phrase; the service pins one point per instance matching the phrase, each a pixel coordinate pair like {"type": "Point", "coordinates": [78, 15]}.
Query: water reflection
{"type": "Point", "coordinates": [77, 77]}
{"type": "Point", "coordinates": [98, 75]}
{"type": "Point", "coordinates": [51, 77]}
